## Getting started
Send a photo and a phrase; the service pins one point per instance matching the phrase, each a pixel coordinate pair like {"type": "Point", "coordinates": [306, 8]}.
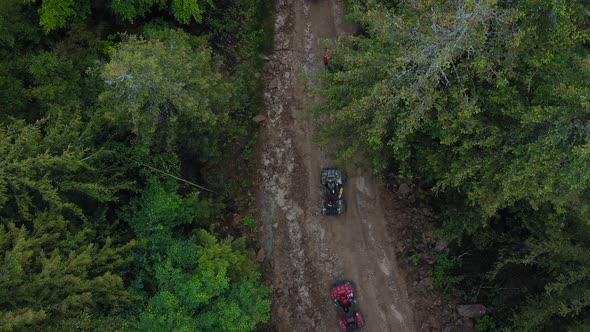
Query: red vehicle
{"type": "Point", "coordinates": [349, 317]}
{"type": "Point", "coordinates": [328, 52]}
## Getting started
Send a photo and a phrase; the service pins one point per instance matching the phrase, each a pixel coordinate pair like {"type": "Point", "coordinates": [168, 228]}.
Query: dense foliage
{"type": "Point", "coordinates": [180, 276]}
{"type": "Point", "coordinates": [104, 106]}
{"type": "Point", "coordinates": [486, 103]}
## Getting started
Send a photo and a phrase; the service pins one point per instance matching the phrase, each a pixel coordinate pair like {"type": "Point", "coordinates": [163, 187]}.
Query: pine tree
{"type": "Point", "coordinates": [486, 103]}
{"type": "Point", "coordinates": [51, 273]}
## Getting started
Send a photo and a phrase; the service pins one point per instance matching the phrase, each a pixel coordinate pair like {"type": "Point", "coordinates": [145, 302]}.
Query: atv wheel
{"type": "Point", "coordinates": [343, 325]}
{"type": "Point", "coordinates": [358, 320]}
{"type": "Point", "coordinates": [342, 207]}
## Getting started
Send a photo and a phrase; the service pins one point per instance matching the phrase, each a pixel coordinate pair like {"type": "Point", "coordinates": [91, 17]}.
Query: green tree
{"type": "Point", "coordinates": [183, 10]}
{"type": "Point", "coordinates": [165, 89]}
{"type": "Point", "coordinates": [486, 103]}
{"type": "Point", "coordinates": [31, 165]}
{"type": "Point", "coordinates": [58, 271]}
{"type": "Point", "coordinates": [55, 14]}
{"type": "Point", "coordinates": [51, 274]}
{"type": "Point", "coordinates": [453, 100]}
{"type": "Point", "coordinates": [241, 309]}
{"type": "Point", "coordinates": [186, 281]}
{"type": "Point", "coordinates": [18, 25]}
{"type": "Point", "coordinates": [47, 167]}
{"type": "Point", "coordinates": [18, 32]}
{"type": "Point", "coordinates": [55, 85]}
{"type": "Point", "coordinates": [560, 258]}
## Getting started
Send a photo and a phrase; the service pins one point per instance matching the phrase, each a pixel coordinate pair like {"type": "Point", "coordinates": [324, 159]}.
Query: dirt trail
{"type": "Point", "coordinates": [306, 251]}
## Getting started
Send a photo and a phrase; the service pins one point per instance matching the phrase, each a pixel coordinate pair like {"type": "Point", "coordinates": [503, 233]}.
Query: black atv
{"type": "Point", "coordinates": [332, 181]}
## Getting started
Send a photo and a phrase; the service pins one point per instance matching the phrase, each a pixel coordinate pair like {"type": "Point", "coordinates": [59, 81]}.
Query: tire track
{"type": "Point", "coordinates": [307, 251]}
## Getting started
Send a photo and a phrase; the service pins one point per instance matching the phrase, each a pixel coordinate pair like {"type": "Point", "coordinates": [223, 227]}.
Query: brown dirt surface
{"type": "Point", "coordinates": [305, 252]}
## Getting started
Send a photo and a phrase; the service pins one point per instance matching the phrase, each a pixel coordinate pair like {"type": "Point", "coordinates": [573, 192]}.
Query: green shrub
{"type": "Point", "coordinates": [249, 222]}
{"type": "Point", "coordinates": [414, 258]}
{"type": "Point", "coordinates": [442, 275]}
{"type": "Point", "coordinates": [485, 323]}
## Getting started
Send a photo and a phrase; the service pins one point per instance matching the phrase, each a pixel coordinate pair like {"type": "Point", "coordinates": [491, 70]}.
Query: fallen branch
{"type": "Point", "coordinates": [172, 176]}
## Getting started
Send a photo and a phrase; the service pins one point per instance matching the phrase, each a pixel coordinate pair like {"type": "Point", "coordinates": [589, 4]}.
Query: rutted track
{"type": "Point", "coordinates": [307, 251]}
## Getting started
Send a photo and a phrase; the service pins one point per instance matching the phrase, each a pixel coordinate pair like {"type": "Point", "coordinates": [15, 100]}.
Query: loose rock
{"type": "Point", "coordinates": [441, 245]}
{"type": "Point", "coordinates": [403, 188]}
{"type": "Point", "coordinates": [471, 310]}
{"type": "Point", "coordinates": [427, 282]}
{"type": "Point", "coordinates": [468, 322]}
{"type": "Point", "coordinates": [259, 118]}
{"type": "Point", "coordinates": [273, 84]}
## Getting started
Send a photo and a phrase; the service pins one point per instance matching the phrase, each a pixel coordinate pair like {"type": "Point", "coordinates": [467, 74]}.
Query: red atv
{"type": "Point", "coordinates": [328, 52]}
{"type": "Point", "coordinates": [349, 317]}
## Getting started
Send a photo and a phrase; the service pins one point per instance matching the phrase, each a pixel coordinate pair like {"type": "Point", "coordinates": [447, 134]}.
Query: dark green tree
{"type": "Point", "coordinates": [560, 259]}
{"type": "Point", "coordinates": [485, 102]}
{"type": "Point", "coordinates": [55, 85]}
{"type": "Point", "coordinates": [18, 24]}
{"type": "Point", "coordinates": [454, 100]}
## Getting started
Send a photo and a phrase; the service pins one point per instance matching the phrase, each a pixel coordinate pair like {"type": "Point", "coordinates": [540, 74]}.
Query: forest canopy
{"type": "Point", "coordinates": [105, 105]}
{"type": "Point", "coordinates": [485, 103]}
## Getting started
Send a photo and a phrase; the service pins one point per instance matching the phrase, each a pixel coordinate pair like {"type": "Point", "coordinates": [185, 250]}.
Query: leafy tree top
{"type": "Point", "coordinates": [165, 81]}
{"type": "Point", "coordinates": [56, 14]}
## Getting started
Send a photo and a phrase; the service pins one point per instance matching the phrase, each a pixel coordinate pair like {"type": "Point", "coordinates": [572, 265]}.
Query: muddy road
{"type": "Point", "coordinates": [306, 252]}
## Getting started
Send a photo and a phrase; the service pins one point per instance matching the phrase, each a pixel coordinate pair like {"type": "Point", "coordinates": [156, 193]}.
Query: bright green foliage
{"type": "Point", "coordinates": [154, 216]}
{"type": "Point", "coordinates": [51, 273]}
{"type": "Point", "coordinates": [183, 10]}
{"type": "Point", "coordinates": [186, 286]}
{"type": "Point", "coordinates": [56, 14]}
{"type": "Point", "coordinates": [485, 323]}
{"type": "Point", "coordinates": [199, 280]}
{"type": "Point", "coordinates": [249, 222]}
{"type": "Point", "coordinates": [164, 312]}
{"type": "Point", "coordinates": [200, 283]}
{"type": "Point", "coordinates": [240, 309]}
{"type": "Point", "coordinates": [166, 89]}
